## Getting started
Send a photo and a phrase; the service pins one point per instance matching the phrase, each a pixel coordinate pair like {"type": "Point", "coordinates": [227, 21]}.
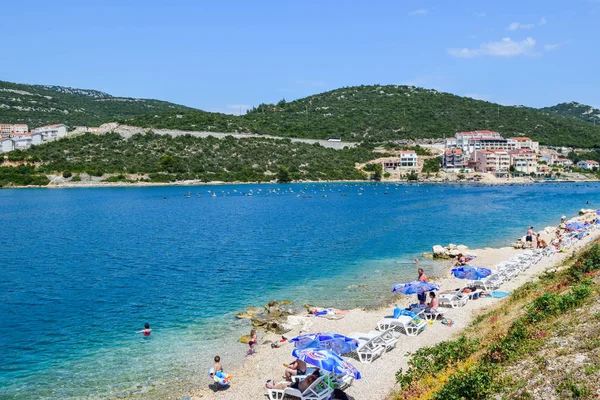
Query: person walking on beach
{"type": "Point", "coordinates": [146, 331]}
{"type": "Point", "coordinates": [422, 297]}
{"type": "Point", "coordinates": [252, 343]}
{"type": "Point", "coordinates": [529, 237]}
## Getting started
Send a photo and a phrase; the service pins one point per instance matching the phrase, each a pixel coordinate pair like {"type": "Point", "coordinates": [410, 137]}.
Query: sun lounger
{"type": "Point", "coordinates": [368, 350]}
{"type": "Point", "coordinates": [489, 283]}
{"type": "Point", "coordinates": [318, 390]}
{"type": "Point", "coordinates": [409, 325]}
{"type": "Point", "coordinates": [340, 381]}
{"type": "Point", "coordinates": [453, 300]}
{"type": "Point", "coordinates": [385, 339]}
{"type": "Point", "coordinates": [432, 315]}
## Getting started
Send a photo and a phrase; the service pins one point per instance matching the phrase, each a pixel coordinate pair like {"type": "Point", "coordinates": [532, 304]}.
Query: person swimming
{"type": "Point", "coordinates": [146, 331]}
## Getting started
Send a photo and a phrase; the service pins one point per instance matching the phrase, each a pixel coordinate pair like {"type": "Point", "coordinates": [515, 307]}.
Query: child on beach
{"type": "Point", "coordinates": [218, 367]}
{"type": "Point", "coordinates": [252, 343]}
{"type": "Point", "coordinates": [146, 331]}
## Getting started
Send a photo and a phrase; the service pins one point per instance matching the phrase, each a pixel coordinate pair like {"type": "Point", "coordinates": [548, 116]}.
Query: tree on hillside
{"type": "Point", "coordinates": [283, 176]}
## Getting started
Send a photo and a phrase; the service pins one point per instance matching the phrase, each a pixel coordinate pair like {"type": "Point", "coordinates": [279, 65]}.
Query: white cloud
{"type": "Point", "coordinates": [517, 25]}
{"type": "Point", "coordinates": [553, 46]}
{"type": "Point", "coordinates": [480, 14]}
{"type": "Point", "coordinates": [478, 96]}
{"type": "Point", "coordinates": [503, 48]}
{"type": "Point", "coordinates": [420, 11]}
{"type": "Point", "coordinates": [543, 21]}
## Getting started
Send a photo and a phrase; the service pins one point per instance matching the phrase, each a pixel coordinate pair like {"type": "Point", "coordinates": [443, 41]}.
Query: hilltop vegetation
{"type": "Point", "coordinates": [577, 111]}
{"type": "Point", "coordinates": [164, 158]}
{"type": "Point", "coordinates": [39, 105]}
{"type": "Point", "coordinates": [381, 113]}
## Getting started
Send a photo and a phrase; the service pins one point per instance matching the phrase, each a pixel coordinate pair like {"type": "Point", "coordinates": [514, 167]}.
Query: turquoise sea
{"type": "Point", "coordinates": [82, 270]}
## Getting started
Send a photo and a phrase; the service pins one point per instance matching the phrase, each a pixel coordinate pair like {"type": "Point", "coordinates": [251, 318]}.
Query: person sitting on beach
{"type": "Point", "coordinates": [252, 342]}
{"type": "Point", "coordinates": [432, 306]}
{"type": "Point", "coordinates": [298, 367]}
{"type": "Point", "coordinates": [541, 243]}
{"type": "Point", "coordinates": [557, 241]}
{"type": "Point", "coordinates": [460, 260]}
{"type": "Point", "coordinates": [563, 223]}
{"type": "Point", "coordinates": [422, 297]}
{"type": "Point", "coordinates": [146, 331]}
{"type": "Point", "coordinates": [301, 386]}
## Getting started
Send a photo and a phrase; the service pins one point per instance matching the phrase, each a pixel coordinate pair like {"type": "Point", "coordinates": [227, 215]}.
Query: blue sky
{"type": "Point", "coordinates": [223, 55]}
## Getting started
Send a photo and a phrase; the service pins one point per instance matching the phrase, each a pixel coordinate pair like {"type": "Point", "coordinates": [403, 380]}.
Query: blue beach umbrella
{"type": "Point", "coordinates": [326, 360]}
{"type": "Point", "coordinates": [335, 342]}
{"type": "Point", "coordinates": [471, 273]}
{"type": "Point", "coordinates": [414, 287]}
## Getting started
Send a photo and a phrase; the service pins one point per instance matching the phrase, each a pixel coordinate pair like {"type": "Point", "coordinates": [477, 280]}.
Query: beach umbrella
{"type": "Point", "coordinates": [414, 287]}
{"type": "Point", "coordinates": [326, 360]}
{"type": "Point", "coordinates": [335, 342]}
{"type": "Point", "coordinates": [471, 273]}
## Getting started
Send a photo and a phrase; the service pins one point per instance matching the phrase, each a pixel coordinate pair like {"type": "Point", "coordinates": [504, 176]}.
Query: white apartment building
{"type": "Point", "coordinates": [408, 158]}
{"type": "Point", "coordinates": [588, 164]}
{"type": "Point", "coordinates": [25, 141]}
{"type": "Point", "coordinates": [470, 142]}
{"type": "Point", "coordinates": [52, 132]}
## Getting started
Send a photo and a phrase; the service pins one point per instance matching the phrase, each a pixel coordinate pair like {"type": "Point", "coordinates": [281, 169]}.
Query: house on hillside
{"type": "Point", "coordinates": [52, 132]}
{"type": "Point", "coordinates": [408, 159]}
{"type": "Point", "coordinates": [565, 162]}
{"type": "Point", "coordinates": [588, 164]}
{"type": "Point", "coordinates": [7, 130]}
{"type": "Point", "coordinates": [25, 141]}
{"type": "Point", "coordinates": [6, 145]}
{"type": "Point", "coordinates": [453, 159]}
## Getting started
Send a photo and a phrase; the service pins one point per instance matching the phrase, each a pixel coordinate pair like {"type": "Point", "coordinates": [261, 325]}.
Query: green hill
{"type": "Point", "coordinates": [163, 158]}
{"type": "Point", "coordinates": [38, 105]}
{"type": "Point", "coordinates": [576, 110]}
{"type": "Point", "coordinates": [381, 113]}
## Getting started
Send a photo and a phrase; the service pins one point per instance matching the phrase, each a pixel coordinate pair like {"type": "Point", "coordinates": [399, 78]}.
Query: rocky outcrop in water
{"type": "Point", "coordinates": [449, 251]}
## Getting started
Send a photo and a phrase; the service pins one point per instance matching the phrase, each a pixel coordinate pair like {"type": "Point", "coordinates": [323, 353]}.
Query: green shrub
{"type": "Point", "coordinates": [76, 178]}
{"type": "Point", "coordinates": [474, 383]}
{"type": "Point", "coordinates": [67, 174]}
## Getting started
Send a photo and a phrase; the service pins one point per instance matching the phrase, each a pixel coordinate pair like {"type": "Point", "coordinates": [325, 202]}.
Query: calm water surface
{"type": "Point", "coordinates": [83, 269]}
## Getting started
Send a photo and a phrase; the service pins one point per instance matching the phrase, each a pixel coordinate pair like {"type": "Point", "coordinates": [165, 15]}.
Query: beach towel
{"type": "Point", "coordinates": [500, 295]}
{"type": "Point", "coordinates": [399, 311]}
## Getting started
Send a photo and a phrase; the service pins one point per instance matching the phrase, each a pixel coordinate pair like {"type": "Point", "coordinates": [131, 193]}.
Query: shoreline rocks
{"type": "Point", "coordinates": [450, 251]}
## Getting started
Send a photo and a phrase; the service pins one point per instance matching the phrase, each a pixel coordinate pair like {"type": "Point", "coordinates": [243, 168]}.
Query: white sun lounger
{"type": "Point", "coordinates": [368, 349]}
{"type": "Point", "coordinates": [489, 283]}
{"type": "Point", "coordinates": [340, 381]}
{"type": "Point", "coordinates": [385, 339]}
{"type": "Point", "coordinates": [318, 390]}
{"type": "Point", "coordinates": [404, 323]}
{"type": "Point", "coordinates": [453, 300]}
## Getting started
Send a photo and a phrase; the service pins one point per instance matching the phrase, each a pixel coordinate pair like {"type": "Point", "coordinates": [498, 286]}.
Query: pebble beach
{"type": "Point", "coordinates": [378, 377]}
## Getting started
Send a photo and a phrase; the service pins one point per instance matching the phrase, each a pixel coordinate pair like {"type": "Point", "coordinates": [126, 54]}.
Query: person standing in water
{"type": "Point", "coordinates": [146, 331]}
{"type": "Point", "coordinates": [422, 297]}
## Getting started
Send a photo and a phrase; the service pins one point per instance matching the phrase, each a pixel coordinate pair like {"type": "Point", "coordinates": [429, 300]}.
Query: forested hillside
{"type": "Point", "coordinates": [165, 158]}
{"type": "Point", "coordinates": [382, 113]}
{"type": "Point", "coordinates": [38, 105]}
{"type": "Point", "coordinates": [576, 110]}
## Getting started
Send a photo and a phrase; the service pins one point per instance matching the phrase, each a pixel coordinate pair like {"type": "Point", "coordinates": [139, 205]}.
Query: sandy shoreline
{"type": "Point", "coordinates": [379, 376]}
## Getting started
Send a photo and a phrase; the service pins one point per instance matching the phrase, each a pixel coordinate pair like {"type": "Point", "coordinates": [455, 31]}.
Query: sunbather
{"type": "Point", "coordinates": [298, 367]}
{"type": "Point", "coordinates": [301, 386]}
{"type": "Point", "coordinates": [432, 306]}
